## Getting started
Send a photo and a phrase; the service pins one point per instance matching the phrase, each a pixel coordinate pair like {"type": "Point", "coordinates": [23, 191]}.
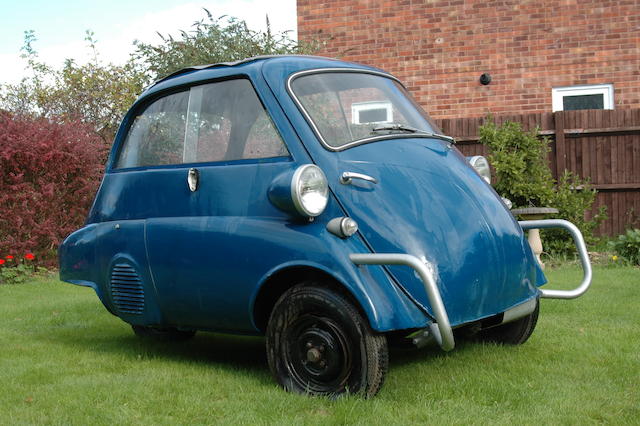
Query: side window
{"type": "Point", "coordinates": [221, 121]}
{"type": "Point", "coordinates": [157, 134]}
{"type": "Point", "coordinates": [263, 140]}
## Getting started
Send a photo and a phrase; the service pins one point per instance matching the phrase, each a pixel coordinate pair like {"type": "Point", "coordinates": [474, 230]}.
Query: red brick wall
{"type": "Point", "coordinates": [439, 48]}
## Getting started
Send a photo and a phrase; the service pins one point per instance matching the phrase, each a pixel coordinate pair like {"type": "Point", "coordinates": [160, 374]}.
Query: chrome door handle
{"type": "Point", "coordinates": [193, 179]}
{"type": "Point", "coordinates": [347, 177]}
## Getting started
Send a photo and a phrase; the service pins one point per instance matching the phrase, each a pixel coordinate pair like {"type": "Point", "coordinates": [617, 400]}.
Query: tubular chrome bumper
{"type": "Point", "coordinates": [442, 333]}
{"type": "Point", "coordinates": [582, 252]}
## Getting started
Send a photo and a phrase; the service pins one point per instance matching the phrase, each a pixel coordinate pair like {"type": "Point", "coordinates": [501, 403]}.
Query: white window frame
{"type": "Point", "coordinates": [357, 108]}
{"type": "Point", "coordinates": [558, 94]}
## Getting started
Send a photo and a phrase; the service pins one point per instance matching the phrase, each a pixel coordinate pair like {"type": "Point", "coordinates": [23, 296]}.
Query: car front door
{"type": "Point", "coordinates": [203, 160]}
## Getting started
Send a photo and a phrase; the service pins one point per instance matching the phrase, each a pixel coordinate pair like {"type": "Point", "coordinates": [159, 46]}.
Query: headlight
{"type": "Point", "coordinates": [481, 165]}
{"type": "Point", "coordinates": [300, 192]}
{"type": "Point", "coordinates": [309, 190]}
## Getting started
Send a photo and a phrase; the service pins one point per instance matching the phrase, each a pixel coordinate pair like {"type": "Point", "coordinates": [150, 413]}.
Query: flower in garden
{"type": "Point", "coordinates": [29, 256]}
{"type": "Point", "coordinates": [2, 261]}
{"type": "Point", "coordinates": [8, 257]}
{"type": "Point", "coordinates": [614, 257]}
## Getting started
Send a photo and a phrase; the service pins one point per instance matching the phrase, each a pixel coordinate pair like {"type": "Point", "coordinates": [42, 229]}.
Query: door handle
{"type": "Point", "coordinates": [193, 179]}
{"type": "Point", "coordinates": [347, 177]}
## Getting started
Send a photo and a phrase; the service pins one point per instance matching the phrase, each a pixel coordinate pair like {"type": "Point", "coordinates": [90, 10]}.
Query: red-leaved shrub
{"type": "Point", "coordinates": [49, 173]}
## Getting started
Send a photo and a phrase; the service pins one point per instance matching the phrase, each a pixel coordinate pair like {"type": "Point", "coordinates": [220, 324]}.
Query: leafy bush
{"type": "Point", "coordinates": [15, 270]}
{"type": "Point", "coordinates": [519, 161]}
{"type": "Point", "coordinates": [574, 198]}
{"type": "Point", "coordinates": [523, 175]}
{"type": "Point", "coordinates": [49, 173]}
{"type": "Point", "coordinates": [628, 246]}
{"type": "Point", "coordinates": [94, 93]}
{"type": "Point", "coordinates": [212, 40]}
{"type": "Point", "coordinates": [100, 93]}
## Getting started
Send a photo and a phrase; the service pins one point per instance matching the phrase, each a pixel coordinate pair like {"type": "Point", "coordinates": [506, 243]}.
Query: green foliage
{"type": "Point", "coordinates": [627, 246]}
{"type": "Point", "coordinates": [519, 161]}
{"type": "Point", "coordinates": [94, 93]}
{"type": "Point", "coordinates": [16, 271]}
{"type": "Point", "coordinates": [573, 197]}
{"type": "Point", "coordinates": [15, 274]}
{"type": "Point", "coordinates": [523, 176]}
{"type": "Point", "coordinates": [212, 40]}
{"type": "Point", "coordinates": [100, 93]}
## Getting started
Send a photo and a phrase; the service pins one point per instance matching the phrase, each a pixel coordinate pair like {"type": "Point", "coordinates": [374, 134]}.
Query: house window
{"type": "Point", "coordinates": [582, 97]}
{"type": "Point", "coordinates": [371, 112]}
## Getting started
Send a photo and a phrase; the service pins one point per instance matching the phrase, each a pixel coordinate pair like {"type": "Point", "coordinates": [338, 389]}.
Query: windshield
{"type": "Point", "coordinates": [349, 108]}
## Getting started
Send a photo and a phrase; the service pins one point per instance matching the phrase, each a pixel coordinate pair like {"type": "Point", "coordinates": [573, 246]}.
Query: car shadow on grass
{"type": "Point", "coordinates": [407, 355]}
{"type": "Point", "coordinates": [228, 352]}
{"type": "Point", "coordinates": [225, 351]}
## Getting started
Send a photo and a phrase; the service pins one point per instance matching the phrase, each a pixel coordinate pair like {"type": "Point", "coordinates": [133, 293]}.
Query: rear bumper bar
{"type": "Point", "coordinates": [582, 253]}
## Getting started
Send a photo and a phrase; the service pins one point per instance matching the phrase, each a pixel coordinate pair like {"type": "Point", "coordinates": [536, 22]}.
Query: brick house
{"type": "Point", "coordinates": [542, 61]}
{"type": "Point", "coordinates": [541, 56]}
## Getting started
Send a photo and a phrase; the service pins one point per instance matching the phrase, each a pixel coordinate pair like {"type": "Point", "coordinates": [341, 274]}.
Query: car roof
{"type": "Point", "coordinates": [293, 63]}
{"type": "Point", "coordinates": [226, 64]}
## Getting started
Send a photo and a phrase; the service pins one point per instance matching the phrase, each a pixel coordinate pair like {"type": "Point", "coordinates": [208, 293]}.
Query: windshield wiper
{"type": "Point", "coordinates": [399, 127]}
{"type": "Point", "coordinates": [409, 129]}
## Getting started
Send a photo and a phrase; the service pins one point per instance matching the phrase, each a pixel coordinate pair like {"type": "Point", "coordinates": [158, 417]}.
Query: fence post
{"type": "Point", "coordinates": [561, 153]}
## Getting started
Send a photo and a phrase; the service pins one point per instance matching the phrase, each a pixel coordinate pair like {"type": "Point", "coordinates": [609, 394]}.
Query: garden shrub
{"type": "Point", "coordinates": [519, 161]}
{"type": "Point", "coordinates": [627, 246]}
{"type": "Point", "coordinates": [16, 270]}
{"type": "Point", "coordinates": [523, 176]}
{"type": "Point", "coordinates": [49, 173]}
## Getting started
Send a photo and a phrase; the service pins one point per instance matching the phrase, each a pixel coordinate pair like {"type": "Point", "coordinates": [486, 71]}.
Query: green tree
{"type": "Point", "coordinates": [100, 94]}
{"type": "Point", "coordinates": [212, 40]}
{"type": "Point", "coordinates": [94, 93]}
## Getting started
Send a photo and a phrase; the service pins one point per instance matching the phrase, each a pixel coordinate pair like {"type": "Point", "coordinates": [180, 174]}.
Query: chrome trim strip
{"type": "Point", "coordinates": [520, 310]}
{"type": "Point", "coordinates": [582, 252]}
{"type": "Point", "coordinates": [359, 141]}
{"type": "Point", "coordinates": [445, 337]}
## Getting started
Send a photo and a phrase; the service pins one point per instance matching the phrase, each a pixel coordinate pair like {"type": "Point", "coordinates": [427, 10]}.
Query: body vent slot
{"type": "Point", "coordinates": [127, 291]}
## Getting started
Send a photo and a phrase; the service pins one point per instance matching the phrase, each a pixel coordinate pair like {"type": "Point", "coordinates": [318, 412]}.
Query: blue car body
{"type": "Point", "coordinates": [211, 259]}
{"type": "Point", "coordinates": [310, 200]}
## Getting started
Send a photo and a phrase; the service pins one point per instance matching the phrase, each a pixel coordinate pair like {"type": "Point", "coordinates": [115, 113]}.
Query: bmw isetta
{"type": "Point", "coordinates": [312, 201]}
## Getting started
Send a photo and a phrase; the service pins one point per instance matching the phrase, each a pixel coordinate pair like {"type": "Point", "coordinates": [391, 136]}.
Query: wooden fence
{"type": "Point", "coordinates": [602, 145]}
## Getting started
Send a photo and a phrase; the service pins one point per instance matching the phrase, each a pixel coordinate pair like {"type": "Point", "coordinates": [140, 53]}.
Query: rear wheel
{"type": "Point", "coordinates": [319, 344]}
{"type": "Point", "coordinates": [512, 333]}
{"type": "Point", "coordinates": [166, 334]}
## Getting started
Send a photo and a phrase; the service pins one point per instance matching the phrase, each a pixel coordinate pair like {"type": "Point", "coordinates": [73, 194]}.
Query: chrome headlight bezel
{"type": "Point", "coordinates": [481, 165]}
{"type": "Point", "coordinates": [302, 185]}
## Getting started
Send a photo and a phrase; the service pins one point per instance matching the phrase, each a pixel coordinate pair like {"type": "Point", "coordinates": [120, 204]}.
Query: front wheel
{"type": "Point", "coordinates": [515, 332]}
{"type": "Point", "coordinates": [319, 344]}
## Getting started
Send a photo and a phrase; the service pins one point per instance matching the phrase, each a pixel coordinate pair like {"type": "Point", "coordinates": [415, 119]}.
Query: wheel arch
{"type": "Point", "coordinates": [278, 282]}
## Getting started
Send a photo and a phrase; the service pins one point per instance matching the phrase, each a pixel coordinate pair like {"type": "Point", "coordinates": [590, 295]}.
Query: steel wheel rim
{"type": "Point", "coordinates": [317, 354]}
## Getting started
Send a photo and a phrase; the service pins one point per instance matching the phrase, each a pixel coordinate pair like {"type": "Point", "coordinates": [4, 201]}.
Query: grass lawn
{"type": "Point", "coordinates": [65, 360]}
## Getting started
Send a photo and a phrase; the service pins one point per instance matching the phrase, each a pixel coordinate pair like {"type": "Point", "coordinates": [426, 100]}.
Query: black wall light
{"type": "Point", "coordinates": [485, 79]}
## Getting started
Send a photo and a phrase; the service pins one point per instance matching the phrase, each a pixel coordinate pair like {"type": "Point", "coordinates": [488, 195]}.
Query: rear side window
{"type": "Point", "coordinates": [221, 121]}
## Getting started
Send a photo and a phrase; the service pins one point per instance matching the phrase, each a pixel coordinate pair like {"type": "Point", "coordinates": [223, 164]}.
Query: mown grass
{"type": "Point", "coordinates": [65, 360]}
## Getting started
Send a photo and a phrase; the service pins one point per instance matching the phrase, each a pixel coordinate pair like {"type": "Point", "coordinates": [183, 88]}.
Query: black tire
{"type": "Point", "coordinates": [319, 344]}
{"type": "Point", "coordinates": [168, 334]}
{"type": "Point", "coordinates": [512, 333]}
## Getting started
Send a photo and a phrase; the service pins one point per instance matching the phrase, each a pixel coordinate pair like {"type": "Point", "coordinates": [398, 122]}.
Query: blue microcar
{"type": "Point", "coordinates": [312, 201]}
